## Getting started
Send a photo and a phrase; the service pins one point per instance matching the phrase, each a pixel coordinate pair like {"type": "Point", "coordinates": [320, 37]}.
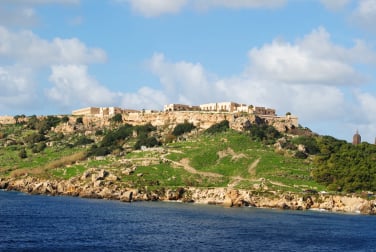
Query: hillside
{"type": "Point", "coordinates": [122, 161]}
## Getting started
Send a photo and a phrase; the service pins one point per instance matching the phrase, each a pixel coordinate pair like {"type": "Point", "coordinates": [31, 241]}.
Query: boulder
{"type": "Point", "coordinates": [127, 196]}
{"type": "Point", "coordinates": [112, 177]}
{"type": "Point", "coordinates": [85, 175]}
{"type": "Point", "coordinates": [99, 175]}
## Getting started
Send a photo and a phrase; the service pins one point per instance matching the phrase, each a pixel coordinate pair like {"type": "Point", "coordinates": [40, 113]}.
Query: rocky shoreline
{"type": "Point", "coordinates": [102, 185]}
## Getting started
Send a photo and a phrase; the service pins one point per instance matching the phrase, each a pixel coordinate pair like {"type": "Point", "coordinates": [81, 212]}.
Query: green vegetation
{"type": "Point", "coordinates": [259, 157]}
{"type": "Point", "coordinates": [344, 167]}
{"type": "Point", "coordinates": [219, 127]}
{"type": "Point", "coordinates": [182, 128]}
{"type": "Point", "coordinates": [264, 133]}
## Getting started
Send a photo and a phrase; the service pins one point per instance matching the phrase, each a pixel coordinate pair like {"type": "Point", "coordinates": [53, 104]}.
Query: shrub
{"type": "Point", "coordinates": [99, 151]}
{"type": "Point", "coordinates": [148, 142]}
{"type": "Point", "coordinates": [117, 118]}
{"type": "Point", "coordinates": [218, 127]}
{"type": "Point", "coordinates": [300, 155]}
{"type": "Point", "coordinates": [83, 140]}
{"type": "Point", "coordinates": [113, 137]}
{"type": "Point", "coordinates": [182, 128]}
{"type": "Point", "coordinates": [34, 138]}
{"type": "Point", "coordinates": [79, 120]}
{"type": "Point", "coordinates": [99, 132]}
{"type": "Point", "coordinates": [265, 133]}
{"type": "Point", "coordinates": [65, 119]}
{"type": "Point", "coordinates": [39, 147]}
{"type": "Point", "coordinates": [309, 143]}
{"type": "Point", "coordinates": [22, 154]}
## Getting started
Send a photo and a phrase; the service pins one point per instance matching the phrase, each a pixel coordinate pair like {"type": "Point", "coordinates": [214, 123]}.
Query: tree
{"type": "Point", "coordinates": [118, 118]}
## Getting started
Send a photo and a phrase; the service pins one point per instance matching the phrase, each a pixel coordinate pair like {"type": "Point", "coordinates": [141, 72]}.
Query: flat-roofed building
{"type": "Point", "coordinates": [86, 111]}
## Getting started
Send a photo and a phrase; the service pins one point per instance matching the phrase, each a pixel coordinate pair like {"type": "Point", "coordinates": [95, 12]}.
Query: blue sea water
{"type": "Point", "coordinates": [42, 223]}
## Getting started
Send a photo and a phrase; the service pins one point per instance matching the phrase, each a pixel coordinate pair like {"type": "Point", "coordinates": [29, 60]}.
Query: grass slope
{"type": "Point", "coordinates": [219, 160]}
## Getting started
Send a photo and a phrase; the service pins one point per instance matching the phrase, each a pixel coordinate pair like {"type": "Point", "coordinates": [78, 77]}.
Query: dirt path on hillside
{"type": "Point", "coordinates": [252, 167]}
{"type": "Point", "coordinates": [185, 163]}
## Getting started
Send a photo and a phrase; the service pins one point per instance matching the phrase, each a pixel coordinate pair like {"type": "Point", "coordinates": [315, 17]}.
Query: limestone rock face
{"type": "Point", "coordinates": [107, 189]}
{"type": "Point", "coordinates": [127, 196]}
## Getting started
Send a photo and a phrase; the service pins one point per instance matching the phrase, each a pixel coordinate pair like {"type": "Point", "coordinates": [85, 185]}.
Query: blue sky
{"type": "Point", "coordinates": [314, 58]}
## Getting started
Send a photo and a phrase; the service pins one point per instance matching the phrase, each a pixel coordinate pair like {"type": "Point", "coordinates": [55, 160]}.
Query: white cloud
{"type": "Point", "coordinates": [335, 4]}
{"type": "Point", "coordinates": [27, 48]}
{"type": "Point", "coordinates": [153, 8]}
{"type": "Point", "coordinates": [365, 14]}
{"type": "Point", "coordinates": [367, 106]}
{"type": "Point", "coordinates": [144, 98]}
{"type": "Point", "coordinates": [23, 16]}
{"type": "Point", "coordinates": [205, 4]}
{"type": "Point", "coordinates": [311, 60]}
{"type": "Point", "coordinates": [74, 86]}
{"type": "Point", "coordinates": [17, 88]}
{"type": "Point", "coordinates": [182, 81]}
{"type": "Point", "coordinates": [23, 13]}
{"type": "Point", "coordinates": [68, 59]}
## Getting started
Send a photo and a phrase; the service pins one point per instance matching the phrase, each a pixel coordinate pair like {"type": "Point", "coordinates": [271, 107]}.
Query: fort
{"type": "Point", "coordinates": [202, 116]}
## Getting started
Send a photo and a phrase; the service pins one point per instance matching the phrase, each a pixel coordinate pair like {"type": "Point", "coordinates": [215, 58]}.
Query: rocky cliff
{"type": "Point", "coordinates": [168, 120]}
{"type": "Point", "coordinates": [102, 184]}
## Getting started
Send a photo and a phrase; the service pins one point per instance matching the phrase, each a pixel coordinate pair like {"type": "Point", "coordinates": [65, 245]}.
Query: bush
{"type": "Point", "coordinates": [218, 127]}
{"type": "Point", "coordinates": [148, 142]}
{"type": "Point", "coordinates": [99, 132]}
{"type": "Point", "coordinates": [83, 140]}
{"type": "Point", "coordinates": [113, 137]}
{"type": "Point", "coordinates": [301, 155]}
{"type": "Point", "coordinates": [79, 120]}
{"type": "Point", "coordinates": [309, 143]}
{"type": "Point", "coordinates": [265, 133]}
{"type": "Point", "coordinates": [117, 118]}
{"type": "Point", "coordinates": [182, 128]}
{"type": "Point", "coordinates": [65, 119]}
{"type": "Point", "coordinates": [39, 147]}
{"type": "Point", "coordinates": [22, 154]}
{"type": "Point", "coordinates": [99, 151]}
{"type": "Point", "coordinates": [34, 138]}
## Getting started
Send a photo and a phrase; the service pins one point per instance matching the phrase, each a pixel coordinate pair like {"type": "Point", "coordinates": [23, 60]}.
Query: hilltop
{"type": "Point", "coordinates": [210, 157]}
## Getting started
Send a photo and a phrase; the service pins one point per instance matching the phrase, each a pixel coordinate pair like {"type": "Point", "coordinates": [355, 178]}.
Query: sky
{"type": "Point", "coordinates": [313, 58]}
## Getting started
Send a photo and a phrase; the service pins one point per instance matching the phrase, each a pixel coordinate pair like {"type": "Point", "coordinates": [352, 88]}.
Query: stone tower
{"type": "Point", "coordinates": [356, 138]}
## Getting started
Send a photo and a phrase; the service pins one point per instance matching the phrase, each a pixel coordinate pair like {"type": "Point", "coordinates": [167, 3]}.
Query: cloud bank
{"type": "Point", "coordinates": [154, 8]}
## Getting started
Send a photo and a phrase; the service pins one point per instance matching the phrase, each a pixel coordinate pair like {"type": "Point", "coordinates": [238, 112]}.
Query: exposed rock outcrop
{"type": "Point", "coordinates": [84, 186]}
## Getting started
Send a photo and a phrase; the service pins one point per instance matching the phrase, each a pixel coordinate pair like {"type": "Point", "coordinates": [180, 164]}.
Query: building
{"type": "Point", "coordinates": [220, 107]}
{"type": "Point", "coordinates": [86, 111]}
{"type": "Point", "coordinates": [180, 107]}
{"type": "Point", "coordinates": [357, 139]}
{"type": "Point", "coordinates": [94, 111]}
{"type": "Point", "coordinates": [264, 111]}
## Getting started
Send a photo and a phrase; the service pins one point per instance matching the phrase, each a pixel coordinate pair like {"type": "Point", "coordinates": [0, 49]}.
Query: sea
{"type": "Point", "coordinates": [46, 223]}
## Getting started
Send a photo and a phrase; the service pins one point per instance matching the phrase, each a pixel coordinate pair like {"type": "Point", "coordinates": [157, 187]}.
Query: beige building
{"type": "Point", "coordinates": [94, 111]}
{"type": "Point", "coordinates": [86, 111]}
{"type": "Point", "coordinates": [220, 107]}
